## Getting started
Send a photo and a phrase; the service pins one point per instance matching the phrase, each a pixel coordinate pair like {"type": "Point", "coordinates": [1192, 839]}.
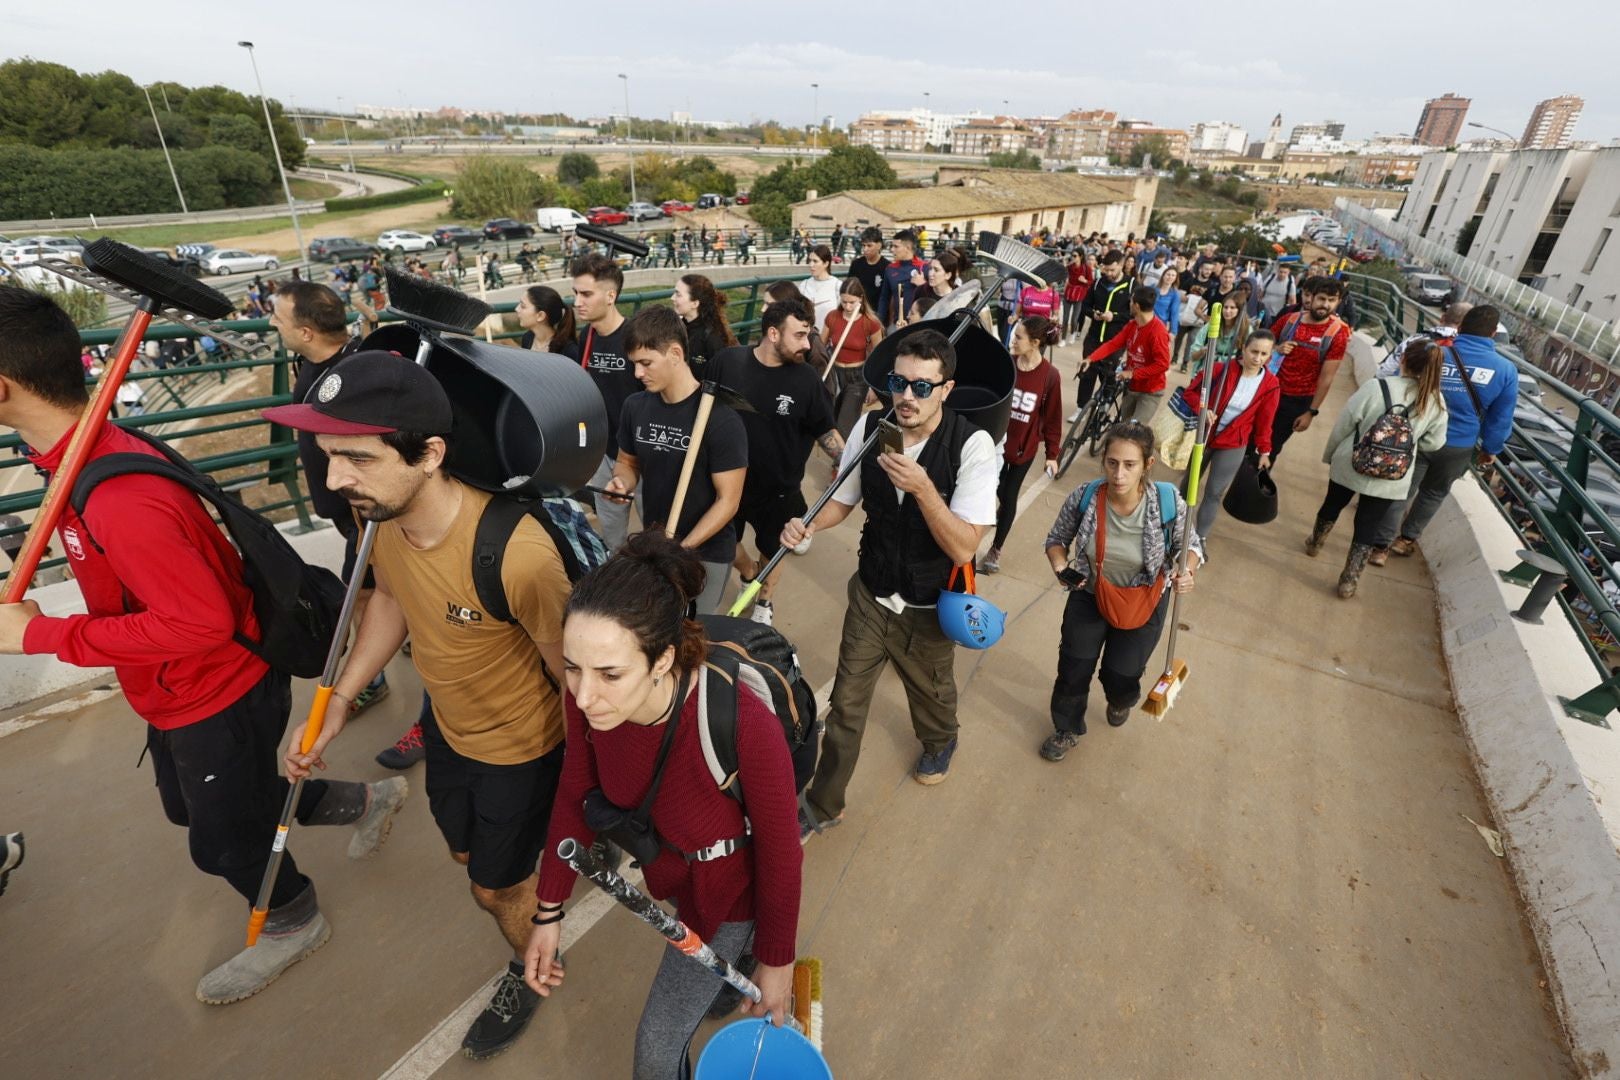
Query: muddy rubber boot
{"type": "Point", "coordinates": [1353, 566]}
{"type": "Point", "coordinates": [291, 932]}
{"type": "Point", "coordinates": [1318, 537]}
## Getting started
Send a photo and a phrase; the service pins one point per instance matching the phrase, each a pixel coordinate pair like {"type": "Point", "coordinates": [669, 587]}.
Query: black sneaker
{"type": "Point", "coordinates": [508, 1013]}
{"type": "Point", "coordinates": [11, 855]}
{"type": "Point", "coordinates": [406, 752]}
{"type": "Point", "coordinates": [726, 1002]}
{"type": "Point", "coordinates": [1058, 744]}
{"type": "Point", "coordinates": [1118, 714]}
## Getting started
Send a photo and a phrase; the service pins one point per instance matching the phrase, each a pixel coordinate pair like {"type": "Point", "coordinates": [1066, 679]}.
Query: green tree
{"type": "Point", "coordinates": [1158, 148]}
{"type": "Point", "coordinates": [1465, 235]}
{"type": "Point", "coordinates": [604, 191]}
{"type": "Point", "coordinates": [1017, 159]}
{"type": "Point", "coordinates": [233, 129]}
{"type": "Point", "coordinates": [487, 186]}
{"type": "Point", "coordinates": [42, 104]}
{"type": "Point", "coordinates": [575, 168]}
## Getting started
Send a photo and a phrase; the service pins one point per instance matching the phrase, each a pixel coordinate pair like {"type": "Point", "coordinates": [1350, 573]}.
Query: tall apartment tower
{"type": "Point", "coordinates": [1442, 120]}
{"type": "Point", "coordinates": [1552, 124]}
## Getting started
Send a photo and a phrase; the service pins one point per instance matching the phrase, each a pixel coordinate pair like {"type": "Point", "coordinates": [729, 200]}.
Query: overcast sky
{"type": "Point", "coordinates": [1370, 63]}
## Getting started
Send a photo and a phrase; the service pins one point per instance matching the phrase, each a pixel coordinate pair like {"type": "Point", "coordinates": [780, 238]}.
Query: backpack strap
{"type": "Point", "coordinates": [1468, 383]}
{"type": "Point", "coordinates": [1167, 510]}
{"type": "Point", "coordinates": [717, 725]}
{"type": "Point", "coordinates": [495, 527]}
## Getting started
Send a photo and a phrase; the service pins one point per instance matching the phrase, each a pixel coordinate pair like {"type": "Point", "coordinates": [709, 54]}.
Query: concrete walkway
{"type": "Point", "coordinates": [1278, 880]}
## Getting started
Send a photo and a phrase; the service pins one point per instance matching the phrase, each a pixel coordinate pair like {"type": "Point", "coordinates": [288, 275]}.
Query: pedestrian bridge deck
{"type": "Point", "coordinates": [1280, 879]}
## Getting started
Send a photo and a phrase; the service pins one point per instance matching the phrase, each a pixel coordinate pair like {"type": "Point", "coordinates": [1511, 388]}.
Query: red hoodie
{"type": "Point", "coordinates": [1253, 423]}
{"type": "Point", "coordinates": [163, 588]}
{"type": "Point", "coordinates": [1147, 354]}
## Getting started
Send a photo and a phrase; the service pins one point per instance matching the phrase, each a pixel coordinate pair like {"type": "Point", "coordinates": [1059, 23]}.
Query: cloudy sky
{"type": "Point", "coordinates": [1370, 64]}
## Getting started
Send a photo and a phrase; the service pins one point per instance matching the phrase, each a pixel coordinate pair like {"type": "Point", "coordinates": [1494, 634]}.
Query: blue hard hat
{"type": "Point", "coordinates": [968, 619]}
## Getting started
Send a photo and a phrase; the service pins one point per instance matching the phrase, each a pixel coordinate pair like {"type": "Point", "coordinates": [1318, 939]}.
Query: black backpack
{"type": "Point", "coordinates": [745, 652]}
{"type": "Point", "coordinates": [296, 604]}
{"type": "Point", "coordinates": [580, 548]}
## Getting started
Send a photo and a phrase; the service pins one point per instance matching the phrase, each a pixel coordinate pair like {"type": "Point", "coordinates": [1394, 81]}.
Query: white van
{"type": "Point", "coordinates": [558, 219]}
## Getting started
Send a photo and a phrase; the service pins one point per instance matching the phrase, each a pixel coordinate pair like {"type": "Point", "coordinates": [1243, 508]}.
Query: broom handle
{"type": "Point", "coordinates": [832, 361]}
{"type": "Point", "coordinates": [1194, 468]}
{"type": "Point", "coordinates": [688, 466]}
{"type": "Point", "coordinates": [77, 453]}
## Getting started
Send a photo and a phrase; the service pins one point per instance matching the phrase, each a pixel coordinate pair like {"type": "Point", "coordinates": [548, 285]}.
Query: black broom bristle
{"type": "Point", "coordinates": [1020, 260]}
{"type": "Point", "coordinates": [135, 269]}
{"type": "Point", "coordinates": [439, 306]}
{"type": "Point", "coordinates": [618, 241]}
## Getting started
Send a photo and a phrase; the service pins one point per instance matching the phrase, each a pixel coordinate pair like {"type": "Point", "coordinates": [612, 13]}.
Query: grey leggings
{"type": "Point", "coordinates": [1220, 466]}
{"type": "Point", "coordinates": [681, 994]}
{"type": "Point", "coordinates": [716, 576]}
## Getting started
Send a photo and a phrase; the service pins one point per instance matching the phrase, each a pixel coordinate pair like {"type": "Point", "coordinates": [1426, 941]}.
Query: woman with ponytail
{"type": "Point", "coordinates": [548, 323]}
{"type": "Point", "coordinates": [703, 308]}
{"type": "Point", "coordinates": [1037, 417]}
{"type": "Point", "coordinates": [1416, 391]}
{"type": "Point", "coordinates": [630, 661]}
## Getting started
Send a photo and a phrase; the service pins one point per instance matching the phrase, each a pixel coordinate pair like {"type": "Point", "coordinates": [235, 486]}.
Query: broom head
{"type": "Point", "coordinates": [1014, 258]}
{"type": "Point", "coordinates": [435, 306]}
{"type": "Point", "coordinates": [134, 269]}
{"type": "Point", "coordinates": [807, 999]}
{"type": "Point", "coordinates": [1162, 697]}
{"type": "Point", "coordinates": [595, 234]}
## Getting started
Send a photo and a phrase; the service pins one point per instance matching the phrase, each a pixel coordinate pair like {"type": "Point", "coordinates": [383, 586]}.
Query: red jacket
{"type": "Point", "coordinates": [1254, 421]}
{"type": "Point", "coordinates": [760, 882]}
{"type": "Point", "coordinates": [163, 590]}
{"type": "Point", "coordinates": [1037, 414]}
{"type": "Point", "coordinates": [1080, 278]}
{"type": "Point", "coordinates": [1147, 354]}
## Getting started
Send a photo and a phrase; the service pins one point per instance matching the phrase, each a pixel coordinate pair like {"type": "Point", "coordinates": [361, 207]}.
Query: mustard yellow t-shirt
{"type": "Point", "coordinates": [490, 695]}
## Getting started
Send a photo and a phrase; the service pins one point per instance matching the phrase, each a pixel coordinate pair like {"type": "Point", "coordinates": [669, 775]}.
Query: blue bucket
{"type": "Point", "coordinates": [786, 1055]}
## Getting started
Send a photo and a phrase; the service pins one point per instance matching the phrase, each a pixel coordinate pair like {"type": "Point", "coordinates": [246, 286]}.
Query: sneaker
{"type": "Point", "coordinates": [383, 800]}
{"type": "Point", "coordinates": [251, 970]}
{"type": "Point", "coordinates": [726, 1002]}
{"type": "Point", "coordinates": [1118, 714]}
{"type": "Point", "coordinates": [991, 563]}
{"type": "Point", "coordinates": [803, 546]}
{"type": "Point", "coordinates": [809, 826]}
{"type": "Point", "coordinates": [1403, 547]}
{"type": "Point", "coordinates": [1058, 744]}
{"type": "Point", "coordinates": [932, 768]}
{"type": "Point", "coordinates": [374, 692]}
{"type": "Point", "coordinates": [504, 1019]}
{"type": "Point", "coordinates": [1073, 416]}
{"type": "Point", "coordinates": [406, 752]}
{"type": "Point", "coordinates": [11, 856]}
{"type": "Point", "coordinates": [763, 613]}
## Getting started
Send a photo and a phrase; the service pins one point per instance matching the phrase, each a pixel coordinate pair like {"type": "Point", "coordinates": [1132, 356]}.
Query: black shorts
{"type": "Point", "coordinates": [351, 550]}
{"type": "Point", "coordinates": [767, 517]}
{"type": "Point", "coordinates": [497, 815]}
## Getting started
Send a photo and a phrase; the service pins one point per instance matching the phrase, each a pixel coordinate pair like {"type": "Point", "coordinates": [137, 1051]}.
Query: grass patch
{"type": "Point", "coordinates": [312, 189]}
{"type": "Point", "coordinates": [1199, 222]}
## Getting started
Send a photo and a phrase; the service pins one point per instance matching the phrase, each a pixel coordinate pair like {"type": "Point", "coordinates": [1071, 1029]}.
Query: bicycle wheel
{"type": "Point", "coordinates": [1071, 445]}
{"type": "Point", "coordinates": [1105, 414]}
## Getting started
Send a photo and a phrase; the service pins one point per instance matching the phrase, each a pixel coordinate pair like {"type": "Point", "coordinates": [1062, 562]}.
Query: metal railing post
{"type": "Point", "coordinates": [287, 473]}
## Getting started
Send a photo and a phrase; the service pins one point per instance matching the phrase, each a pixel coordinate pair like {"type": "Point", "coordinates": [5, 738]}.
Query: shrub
{"type": "Point", "coordinates": [403, 197]}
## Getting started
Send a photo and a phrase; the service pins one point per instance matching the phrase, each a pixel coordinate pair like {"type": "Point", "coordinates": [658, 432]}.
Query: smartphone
{"type": "Point", "coordinates": [889, 438]}
{"type": "Point", "coordinates": [1071, 577]}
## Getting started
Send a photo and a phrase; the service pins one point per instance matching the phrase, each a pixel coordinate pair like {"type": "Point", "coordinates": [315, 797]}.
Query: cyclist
{"type": "Point", "coordinates": [1108, 307]}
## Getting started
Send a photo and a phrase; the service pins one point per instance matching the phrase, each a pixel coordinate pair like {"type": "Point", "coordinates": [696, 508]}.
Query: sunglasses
{"type": "Point", "coordinates": [921, 389]}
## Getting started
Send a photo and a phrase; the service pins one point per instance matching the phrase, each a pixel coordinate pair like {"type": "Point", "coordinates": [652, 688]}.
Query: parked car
{"type": "Point", "coordinates": [1428, 288]}
{"type": "Point", "coordinates": [1407, 269]}
{"type": "Point", "coordinates": [405, 240]}
{"type": "Point", "coordinates": [183, 263]}
{"type": "Point", "coordinates": [507, 229]}
{"type": "Point", "coordinates": [643, 211]}
{"type": "Point", "coordinates": [237, 261]}
{"type": "Point", "coordinates": [65, 245]}
{"type": "Point", "coordinates": [1363, 255]}
{"type": "Point", "coordinates": [27, 254]}
{"type": "Point", "coordinates": [606, 215]}
{"type": "Point", "coordinates": [742, 198]}
{"type": "Point", "coordinates": [338, 248]}
{"type": "Point", "coordinates": [558, 219]}
{"type": "Point", "coordinates": [709, 200]}
{"type": "Point", "coordinates": [674, 206]}
{"type": "Point", "coordinates": [445, 235]}
{"type": "Point", "coordinates": [1529, 389]}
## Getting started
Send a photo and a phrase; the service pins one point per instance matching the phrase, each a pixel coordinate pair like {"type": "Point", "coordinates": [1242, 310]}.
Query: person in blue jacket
{"type": "Point", "coordinates": [1481, 420]}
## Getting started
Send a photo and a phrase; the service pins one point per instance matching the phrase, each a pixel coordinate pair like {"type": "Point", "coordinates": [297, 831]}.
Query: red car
{"type": "Point", "coordinates": [606, 215]}
{"type": "Point", "coordinates": [742, 198]}
{"type": "Point", "coordinates": [674, 206]}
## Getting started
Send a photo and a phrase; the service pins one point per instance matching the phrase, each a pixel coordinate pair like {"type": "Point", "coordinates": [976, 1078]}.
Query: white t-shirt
{"type": "Point", "coordinates": [823, 294]}
{"type": "Point", "coordinates": [974, 500]}
{"type": "Point", "coordinates": [1242, 396]}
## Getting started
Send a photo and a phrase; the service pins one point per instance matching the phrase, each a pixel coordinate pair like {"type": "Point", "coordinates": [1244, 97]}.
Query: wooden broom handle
{"type": "Point", "coordinates": [705, 407]}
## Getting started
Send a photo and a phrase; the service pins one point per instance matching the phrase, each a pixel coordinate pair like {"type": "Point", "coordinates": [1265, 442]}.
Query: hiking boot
{"type": "Point", "coordinates": [726, 1002]}
{"type": "Point", "coordinates": [406, 752]}
{"type": "Point", "coordinates": [383, 800]}
{"type": "Point", "coordinates": [1353, 566]}
{"type": "Point", "coordinates": [991, 563]}
{"type": "Point", "coordinates": [1318, 537]}
{"type": "Point", "coordinates": [1118, 714]}
{"type": "Point", "coordinates": [762, 613]}
{"type": "Point", "coordinates": [504, 1019]}
{"type": "Point", "coordinates": [1058, 744]}
{"type": "Point", "coordinates": [809, 826]}
{"type": "Point", "coordinates": [374, 692]}
{"type": "Point", "coordinates": [932, 767]}
{"type": "Point", "coordinates": [1403, 547]}
{"type": "Point", "coordinates": [1379, 557]}
{"type": "Point", "coordinates": [11, 856]}
{"type": "Point", "coordinates": [280, 946]}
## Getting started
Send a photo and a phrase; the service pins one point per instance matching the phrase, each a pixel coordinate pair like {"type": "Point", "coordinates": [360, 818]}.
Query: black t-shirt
{"type": "Point", "coordinates": [791, 410]}
{"type": "Point", "coordinates": [702, 345]}
{"type": "Point", "coordinates": [657, 436]}
{"type": "Point", "coordinates": [602, 355]}
{"type": "Point", "coordinates": [328, 504]}
{"type": "Point", "coordinates": [570, 350]}
{"type": "Point", "coordinates": [870, 275]}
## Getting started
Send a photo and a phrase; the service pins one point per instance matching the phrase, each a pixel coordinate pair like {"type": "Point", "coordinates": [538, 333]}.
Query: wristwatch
{"type": "Point", "coordinates": [1314, 412]}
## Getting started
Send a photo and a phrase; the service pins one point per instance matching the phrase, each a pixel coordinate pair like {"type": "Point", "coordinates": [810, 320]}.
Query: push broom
{"type": "Point", "coordinates": [153, 288]}
{"type": "Point", "coordinates": [428, 308]}
{"type": "Point", "coordinates": [1162, 698]}
{"type": "Point", "coordinates": [1012, 259]}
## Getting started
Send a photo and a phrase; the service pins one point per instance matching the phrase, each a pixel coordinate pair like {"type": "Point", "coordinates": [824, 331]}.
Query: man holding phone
{"type": "Point", "coordinates": [928, 504]}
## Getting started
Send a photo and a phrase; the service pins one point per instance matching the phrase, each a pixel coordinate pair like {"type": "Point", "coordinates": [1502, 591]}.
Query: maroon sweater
{"type": "Point", "coordinates": [1037, 415]}
{"type": "Point", "coordinates": [759, 883]}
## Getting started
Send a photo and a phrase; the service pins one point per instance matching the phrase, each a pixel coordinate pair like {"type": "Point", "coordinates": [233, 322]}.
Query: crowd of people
{"type": "Point", "coordinates": [585, 700]}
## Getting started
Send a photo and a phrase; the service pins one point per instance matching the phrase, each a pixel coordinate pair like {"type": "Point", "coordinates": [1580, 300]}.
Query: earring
{"type": "Point", "coordinates": [655, 679]}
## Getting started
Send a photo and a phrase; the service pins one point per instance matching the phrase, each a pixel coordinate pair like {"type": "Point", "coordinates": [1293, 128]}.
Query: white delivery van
{"type": "Point", "coordinates": [558, 219]}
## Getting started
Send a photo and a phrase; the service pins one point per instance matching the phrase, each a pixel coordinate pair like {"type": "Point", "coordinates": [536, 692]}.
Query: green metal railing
{"type": "Point", "coordinates": [272, 459]}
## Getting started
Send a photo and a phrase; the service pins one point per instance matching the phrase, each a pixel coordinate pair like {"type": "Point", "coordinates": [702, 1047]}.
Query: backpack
{"type": "Point", "coordinates": [296, 604]}
{"type": "Point", "coordinates": [563, 520]}
{"type": "Point", "coordinates": [751, 654]}
{"type": "Point", "coordinates": [1167, 505]}
{"type": "Point", "coordinates": [1291, 327]}
{"type": "Point", "coordinates": [1385, 452]}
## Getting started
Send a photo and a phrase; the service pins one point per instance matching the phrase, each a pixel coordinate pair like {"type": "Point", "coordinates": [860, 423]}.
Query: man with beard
{"type": "Point", "coordinates": [791, 411]}
{"type": "Point", "coordinates": [494, 731]}
{"type": "Point", "coordinates": [927, 508]}
{"type": "Point", "coordinates": [1312, 342]}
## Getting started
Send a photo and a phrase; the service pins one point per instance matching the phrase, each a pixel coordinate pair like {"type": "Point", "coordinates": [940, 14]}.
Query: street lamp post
{"type": "Point", "coordinates": [629, 135]}
{"type": "Point", "coordinates": [344, 120]}
{"type": "Point", "coordinates": [275, 148]}
{"type": "Point", "coordinates": [164, 143]}
{"type": "Point", "coordinates": [1499, 131]}
{"type": "Point", "coordinates": [815, 117]}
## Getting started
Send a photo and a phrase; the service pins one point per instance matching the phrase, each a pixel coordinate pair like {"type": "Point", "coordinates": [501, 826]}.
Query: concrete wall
{"type": "Point", "coordinates": [1425, 190]}
{"type": "Point", "coordinates": [1553, 783]}
{"type": "Point", "coordinates": [1531, 181]}
{"type": "Point", "coordinates": [1597, 209]}
{"type": "Point", "coordinates": [1460, 201]}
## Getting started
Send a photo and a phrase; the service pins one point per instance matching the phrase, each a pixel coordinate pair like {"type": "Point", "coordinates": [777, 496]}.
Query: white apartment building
{"type": "Point", "coordinates": [1220, 137]}
{"type": "Point", "coordinates": [1583, 269]}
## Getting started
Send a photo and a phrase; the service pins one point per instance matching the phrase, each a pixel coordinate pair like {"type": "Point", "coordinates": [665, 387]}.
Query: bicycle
{"type": "Point", "coordinates": [1087, 429]}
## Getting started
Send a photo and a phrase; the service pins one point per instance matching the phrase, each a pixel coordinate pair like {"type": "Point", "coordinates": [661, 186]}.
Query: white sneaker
{"type": "Point", "coordinates": [763, 613]}
{"type": "Point", "coordinates": [1074, 416]}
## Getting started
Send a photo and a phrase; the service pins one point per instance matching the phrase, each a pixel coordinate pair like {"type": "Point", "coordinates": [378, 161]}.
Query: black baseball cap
{"type": "Point", "coordinates": [370, 393]}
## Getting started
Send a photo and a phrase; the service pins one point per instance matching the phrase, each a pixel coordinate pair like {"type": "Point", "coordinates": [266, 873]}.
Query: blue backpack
{"type": "Point", "coordinates": [563, 520]}
{"type": "Point", "coordinates": [1167, 505]}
